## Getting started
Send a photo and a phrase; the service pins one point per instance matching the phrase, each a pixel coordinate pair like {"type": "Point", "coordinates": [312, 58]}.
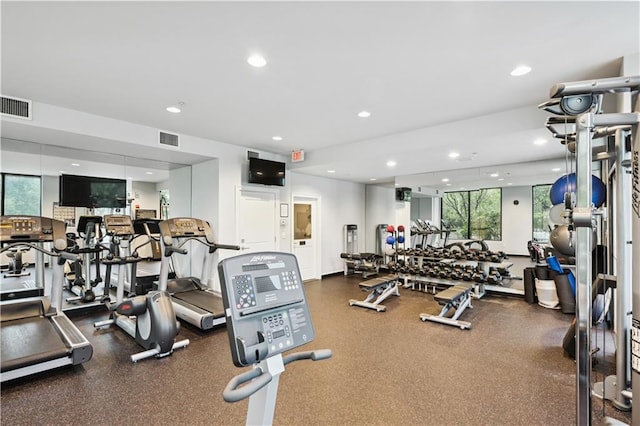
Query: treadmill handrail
{"type": "Point", "coordinates": [214, 246]}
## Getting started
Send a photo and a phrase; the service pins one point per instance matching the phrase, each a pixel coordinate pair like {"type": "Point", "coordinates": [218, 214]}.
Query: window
{"type": "Point", "coordinates": [474, 214]}
{"type": "Point", "coordinates": [21, 195]}
{"type": "Point", "coordinates": [541, 204]}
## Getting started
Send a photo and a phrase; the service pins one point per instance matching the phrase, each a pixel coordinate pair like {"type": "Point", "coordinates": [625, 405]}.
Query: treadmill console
{"type": "Point", "coordinates": [32, 229]}
{"type": "Point", "coordinates": [119, 225]}
{"type": "Point", "coordinates": [265, 305]}
{"type": "Point", "coordinates": [179, 227]}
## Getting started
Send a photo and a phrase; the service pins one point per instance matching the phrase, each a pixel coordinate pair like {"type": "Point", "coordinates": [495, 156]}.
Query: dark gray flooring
{"type": "Point", "coordinates": [388, 368]}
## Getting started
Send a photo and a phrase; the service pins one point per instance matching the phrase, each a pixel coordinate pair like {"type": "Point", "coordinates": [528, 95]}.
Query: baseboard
{"type": "Point", "coordinates": [332, 274]}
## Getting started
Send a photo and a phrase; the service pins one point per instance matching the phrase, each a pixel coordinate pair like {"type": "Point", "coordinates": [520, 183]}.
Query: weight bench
{"type": "Point", "coordinates": [457, 297]}
{"type": "Point", "coordinates": [366, 263]}
{"type": "Point", "coordinates": [379, 289]}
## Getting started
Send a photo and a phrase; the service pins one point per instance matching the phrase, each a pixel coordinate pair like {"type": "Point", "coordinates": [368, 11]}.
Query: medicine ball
{"type": "Point", "coordinates": [567, 183]}
{"type": "Point", "coordinates": [555, 214]}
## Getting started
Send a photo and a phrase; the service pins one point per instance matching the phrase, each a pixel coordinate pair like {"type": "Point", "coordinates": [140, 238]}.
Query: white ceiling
{"type": "Point", "coordinates": [434, 75]}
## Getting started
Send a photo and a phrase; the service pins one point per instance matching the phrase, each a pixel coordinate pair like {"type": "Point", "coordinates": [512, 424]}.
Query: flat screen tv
{"type": "Point", "coordinates": [92, 192]}
{"type": "Point", "coordinates": [266, 172]}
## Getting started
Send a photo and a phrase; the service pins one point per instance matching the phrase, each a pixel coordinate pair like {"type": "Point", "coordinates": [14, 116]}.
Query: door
{"type": "Point", "coordinates": [256, 220]}
{"type": "Point", "coordinates": [306, 236]}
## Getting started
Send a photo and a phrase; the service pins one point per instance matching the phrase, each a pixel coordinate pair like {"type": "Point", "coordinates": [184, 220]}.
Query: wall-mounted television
{"type": "Point", "coordinates": [266, 172]}
{"type": "Point", "coordinates": [92, 192]}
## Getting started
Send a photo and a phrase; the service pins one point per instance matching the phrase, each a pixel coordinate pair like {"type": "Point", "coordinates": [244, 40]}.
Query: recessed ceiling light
{"type": "Point", "coordinates": [391, 163]}
{"type": "Point", "coordinates": [510, 183]}
{"type": "Point", "coordinates": [331, 171]}
{"type": "Point", "coordinates": [448, 184]}
{"type": "Point", "coordinates": [364, 114]}
{"type": "Point", "coordinates": [445, 179]}
{"type": "Point", "coordinates": [494, 175]}
{"type": "Point", "coordinates": [149, 173]}
{"type": "Point", "coordinates": [521, 70]}
{"type": "Point", "coordinates": [277, 138]}
{"type": "Point", "coordinates": [372, 179]}
{"type": "Point", "coordinates": [454, 154]}
{"type": "Point", "coordinates": [501, 179]}
{"type": "Point", "coordinates": [462, 187]}
{"type": "Point", "coordinates": [556, 169]}
{"type": "Point", "coordinates": [257, 61]}
{"type": "Point", "coordinates": [540, 141]}
{"type": "Point", "coordinates": [75, 164]}
{"type": "Point", "coordinates": [173, 109]}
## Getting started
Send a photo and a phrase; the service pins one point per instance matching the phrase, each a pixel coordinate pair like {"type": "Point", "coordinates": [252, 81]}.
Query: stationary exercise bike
{"type": "Point", "coordinates": [155, 327]}
{"type": "Point", "coordinates": [267, 314]}
{"type": "Point", "coordinates": [16, 265]}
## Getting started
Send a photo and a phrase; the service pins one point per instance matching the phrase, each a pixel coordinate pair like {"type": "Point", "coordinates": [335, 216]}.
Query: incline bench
{"type": "Point", "coordinates": [379, 289]}
{"type": "Point", "coordinates": [457, 297]}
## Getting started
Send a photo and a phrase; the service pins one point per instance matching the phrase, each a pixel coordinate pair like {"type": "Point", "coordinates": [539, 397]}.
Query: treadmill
{"type": "Point", "coordinates": [194, 300]}
{"type": "Point", "coordinates": [36, 336]}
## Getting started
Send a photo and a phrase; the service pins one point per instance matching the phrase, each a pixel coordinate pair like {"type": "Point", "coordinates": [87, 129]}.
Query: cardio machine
{"type": "Point", "coordinates": [193, 299]}
{"type": "Point", "coordinates": [16, 265]}
{"type": "Point", "coordinates": [36, 336]}
{"type": "Point", "coordinates": [79, 279]}
{"type": "Point", "coordinates": [267, 314]}
{"type": "Point", "coordinates": [155, 326]}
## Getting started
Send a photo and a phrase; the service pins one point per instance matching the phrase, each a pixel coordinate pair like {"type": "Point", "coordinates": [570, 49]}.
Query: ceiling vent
{"type": "Point", "coordinates": [15, 107]}
{"type": "Point", "coordinates": [169, 139]}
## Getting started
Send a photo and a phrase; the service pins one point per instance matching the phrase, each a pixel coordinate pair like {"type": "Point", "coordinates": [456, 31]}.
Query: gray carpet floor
{"type": "Point", "coordinates": [388, 368]}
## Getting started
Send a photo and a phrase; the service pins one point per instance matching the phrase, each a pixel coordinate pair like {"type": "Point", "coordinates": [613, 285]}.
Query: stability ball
{"type": "Point", "coordinates": [567, 183]}
{"type": "Point", "coordinates": [555, 214]}
{"type": "Point", "coordinates": [565, 242]}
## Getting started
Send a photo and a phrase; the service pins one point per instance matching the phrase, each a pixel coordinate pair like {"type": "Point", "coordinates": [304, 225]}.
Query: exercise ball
{"type": "Point", "coordinates": [555, 214]}
{"type": "Point", "coordinates": [567, 183]}
{"type": "Point", "coordinates": [565, 242]}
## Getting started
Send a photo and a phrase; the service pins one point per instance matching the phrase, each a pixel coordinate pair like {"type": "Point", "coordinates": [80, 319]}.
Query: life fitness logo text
{"type": "Point", "coordinates": [261, 258]}
{"type": "Point", "coordinates": [635, 186]}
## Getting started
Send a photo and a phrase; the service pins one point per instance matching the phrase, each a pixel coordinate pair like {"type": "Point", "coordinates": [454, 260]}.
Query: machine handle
{"type": "Point", "coordinates": [226, 247]}
{"type": "Point", "coordinates": [316, 355]}
{"type": "Point", "coordinates": [258, 378]}
{"type": "Point", "coordinates": [179, 250]}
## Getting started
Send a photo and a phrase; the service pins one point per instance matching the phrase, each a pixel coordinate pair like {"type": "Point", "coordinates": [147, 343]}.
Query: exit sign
{"type": "Point", "coordinates": [297, 156]}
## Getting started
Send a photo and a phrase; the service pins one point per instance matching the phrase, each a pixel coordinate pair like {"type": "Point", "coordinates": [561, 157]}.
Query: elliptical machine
{"type": "Point", "coordinates": [16, 265]}
{"type": "Point", "coordinates": [79, 281]}
{"type": "Point", "coordinates": [156, 327]}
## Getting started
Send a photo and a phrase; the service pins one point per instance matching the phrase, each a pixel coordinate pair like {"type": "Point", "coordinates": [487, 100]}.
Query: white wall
{"type": "Point", "coordinates": [421, 208]}
{"type": "Point", "coordinates": [341, 203]}
{"type": "Point", "coordinates": [517, 221]}
{"type": "Point", "coordinates": [145, 196]}
{"type": "Point", "coordinates": [382, 208]}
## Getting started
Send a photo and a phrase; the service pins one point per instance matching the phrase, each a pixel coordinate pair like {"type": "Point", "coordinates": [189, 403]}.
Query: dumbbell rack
{"type": "Point", "coordinates": [415, 281]}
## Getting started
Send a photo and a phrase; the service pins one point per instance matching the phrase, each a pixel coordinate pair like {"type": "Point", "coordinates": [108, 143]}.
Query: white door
{"type": "Point", "coordinates": [306, 238]}
{"type": "Point", "coordinates": [256, 220]}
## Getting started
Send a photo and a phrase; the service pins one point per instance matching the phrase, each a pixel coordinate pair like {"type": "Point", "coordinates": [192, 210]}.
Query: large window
{"type": "Point", "coordinates": [474, 214]}
{"type": "Point", "coordinates": [21, 195]}
{"type": "Point", "coordinates": [541, 205]}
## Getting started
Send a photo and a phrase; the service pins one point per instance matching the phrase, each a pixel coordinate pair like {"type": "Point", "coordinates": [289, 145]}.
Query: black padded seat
{"type": "Point", "coordinates": [452, 293]}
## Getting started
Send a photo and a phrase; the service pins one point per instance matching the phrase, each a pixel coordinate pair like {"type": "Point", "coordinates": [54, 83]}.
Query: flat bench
{"type": "Point", "coordinates": [379, 289]}
{"type": "Point", "coordinates": [458, 298]}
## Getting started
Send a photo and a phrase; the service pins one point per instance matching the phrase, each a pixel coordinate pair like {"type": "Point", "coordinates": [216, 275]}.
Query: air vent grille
{"type": "Point", "coordinates": [15, 107]}
{"type": "Point", "coordinates": [169, 139]}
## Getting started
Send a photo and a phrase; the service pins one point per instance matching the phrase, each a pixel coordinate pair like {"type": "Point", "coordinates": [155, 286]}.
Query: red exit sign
{"type": "Point", "coordinates": [297, 156]}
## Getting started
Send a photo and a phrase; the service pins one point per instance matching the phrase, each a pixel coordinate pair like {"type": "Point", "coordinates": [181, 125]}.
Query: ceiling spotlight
{"type": "Point", "coordinates": [494, 175]}
{"type": "Point", "coordinates": [521, 70]}
{"type": "Point", "coordinates": [364, 114]}
{"type": "Point", "coordinates": [540, 141]}
{"type": "Point", "coordinates": [257, 61]}
{"type": "Point", "coordinates": [445, 179]}
{"type": "Point", "coordinates": [501, 179]}
{"type": "Point", "coordinates": [372, 179]}
{"type": "Point", "coordinates": [149, 173]}
{"type": "Point", "coordinates": [556, 169]}
{"type": "Point", "coordinates": [331, 171]}
{"type": "Point", "coordinates": [277, 138]}
{"type": "Point", "coordinates": [510, 183]}
{"type": "Point", "coordinates": [454, 154]}
{"type": "Point", "coordinates": [391, 163]}
{"type": "Point", "coordinates": [462, 187]}
{"type": "Point", "coordinates": [174, 109]}
{"type": "Point", "coordinates": [75, 164]}
{"type": "Point", "coordinates": [448, 184]}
